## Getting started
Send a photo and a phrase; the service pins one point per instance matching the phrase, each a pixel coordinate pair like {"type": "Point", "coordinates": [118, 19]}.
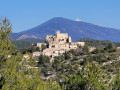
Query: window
{"type": "Point", "coordinates": [53, 46]}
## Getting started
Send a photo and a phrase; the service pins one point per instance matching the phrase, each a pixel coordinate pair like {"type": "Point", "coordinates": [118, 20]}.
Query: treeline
{"type": "Point", "coordinates": [98, 43]}
{"type": "Point", "coordinates": [21, 44]}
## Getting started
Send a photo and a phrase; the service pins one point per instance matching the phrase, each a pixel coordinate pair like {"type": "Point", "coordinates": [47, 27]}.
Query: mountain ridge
{"type": "Point", "coordinates": [75, 29]}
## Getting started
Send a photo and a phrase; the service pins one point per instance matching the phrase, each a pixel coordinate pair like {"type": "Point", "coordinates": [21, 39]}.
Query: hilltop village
{"type": "Point", "coordinates": [57, 45]}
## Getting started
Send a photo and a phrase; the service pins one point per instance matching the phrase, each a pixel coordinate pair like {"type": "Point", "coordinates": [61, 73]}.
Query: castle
{"type": "Point", "coordinates": [58, 44]}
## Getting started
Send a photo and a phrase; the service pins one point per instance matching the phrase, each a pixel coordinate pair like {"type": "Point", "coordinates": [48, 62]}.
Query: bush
{"type": "Point", "coordinates": [43, 59]}
{"type": "Point", "coordinates": [67, 55]}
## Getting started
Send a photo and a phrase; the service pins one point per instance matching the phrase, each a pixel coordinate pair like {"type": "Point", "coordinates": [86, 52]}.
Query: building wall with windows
{"type": "Point", "coordinates": [58, 44]}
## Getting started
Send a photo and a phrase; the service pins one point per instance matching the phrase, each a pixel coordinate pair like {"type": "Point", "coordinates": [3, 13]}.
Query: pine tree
{"type": "Point", "coordinates": [6, 48]}
{"type": "Point", "coordinates": [13, 74]}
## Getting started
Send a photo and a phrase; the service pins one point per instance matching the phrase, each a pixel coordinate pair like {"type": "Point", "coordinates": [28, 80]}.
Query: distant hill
{"type": "Point", "coordinates": [75, 29]}
{"type": "Point", "coordinates": [26, 37]}
{"type": "Point", "coordinates": [98, 43]}
{"type": "Point", "coordinates": [15, 35]}
{"type": "Point", "coordinates": [21, 44]}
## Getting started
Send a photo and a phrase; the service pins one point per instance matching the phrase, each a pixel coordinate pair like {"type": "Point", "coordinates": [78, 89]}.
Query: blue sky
{"type": "Point", "coordinates": [25, 14]}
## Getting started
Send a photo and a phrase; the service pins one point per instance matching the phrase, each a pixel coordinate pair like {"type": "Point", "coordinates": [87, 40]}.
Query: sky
{"type": "Point", "coordinates": [26, 14]}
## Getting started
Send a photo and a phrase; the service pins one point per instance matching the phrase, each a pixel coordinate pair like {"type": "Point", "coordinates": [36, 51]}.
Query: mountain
{"type": "Point", "coordinates": [30, 38]}
{"type": "Point", "coordinates": [15, 36]}
{"type": "Point", "coordinates": [26, 37]}
{"type": "Point", "coordinates": [75, 29]}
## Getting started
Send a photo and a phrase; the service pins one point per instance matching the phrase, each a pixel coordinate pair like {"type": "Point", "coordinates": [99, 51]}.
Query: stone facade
{"type": "Point", "coordinates": [40, 44]}
{"type": "Point", "coordinates": [58, 44]}
{"type": "Point", "coordinates": [58, 40]}
{"type": "Point", "coordinates": [36, 54]}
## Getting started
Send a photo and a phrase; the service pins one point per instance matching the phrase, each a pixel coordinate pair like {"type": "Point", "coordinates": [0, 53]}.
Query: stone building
{"type": "Point", "coordinates": [58, 44]}
{"type": "Point", "coordinates": [41, 44]}
{"type": "Point", "coordinates": [58, 40]}
{"type": "Point", "coordinates": [36, 54]}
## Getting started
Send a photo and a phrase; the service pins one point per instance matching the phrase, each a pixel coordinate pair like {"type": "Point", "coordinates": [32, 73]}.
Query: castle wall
{"type": "Point", "coordinates": [40, 44]}
{"type": "Point", "coordinates": [69, 39]}
{"type": "Point", "coordinates": [81, 43]}
{"type": "Point", "coordinates": [50, 38]}
{"type": "Point", "coordinates": [64, 46]}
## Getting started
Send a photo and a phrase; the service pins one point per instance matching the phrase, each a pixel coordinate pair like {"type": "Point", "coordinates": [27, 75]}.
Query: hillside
{"type": "Point", "coordinates": [98, 43]}
{"type": "Point", "coordinates": [75, 29]}
{"type": "Point", "coordinates": [21, 44]}
{"type": "Point", "coordinates": [26, 37]}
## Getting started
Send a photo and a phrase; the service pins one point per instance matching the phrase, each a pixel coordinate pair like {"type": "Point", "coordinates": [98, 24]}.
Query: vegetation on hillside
{"type": "Point", "coordinates": [21, 44]}
{"type": "Point", "coordinates": [98, 43]}
{"type": "Point", "coordinates": [13, 73]}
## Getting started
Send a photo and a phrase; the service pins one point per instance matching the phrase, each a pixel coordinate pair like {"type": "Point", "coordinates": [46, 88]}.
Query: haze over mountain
{"type": "Point", "coordinates": [75, 29]}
